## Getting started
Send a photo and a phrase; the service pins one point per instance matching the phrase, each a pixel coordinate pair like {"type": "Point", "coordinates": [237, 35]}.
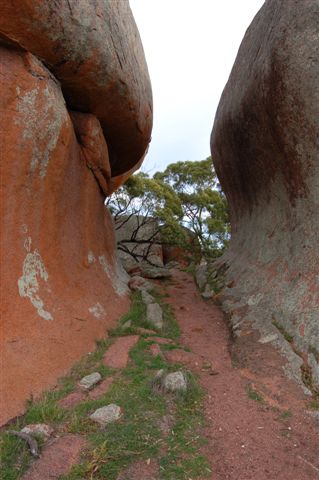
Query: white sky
{"type": "Point", "coordinates": [190, 47]}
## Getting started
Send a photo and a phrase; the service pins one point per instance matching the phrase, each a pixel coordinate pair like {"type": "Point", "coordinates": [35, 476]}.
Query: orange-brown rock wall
{"type": "Point", "coordinates": [61, 284]}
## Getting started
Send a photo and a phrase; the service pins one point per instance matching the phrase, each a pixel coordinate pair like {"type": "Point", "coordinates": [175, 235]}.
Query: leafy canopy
{"type": "Point", "coordinates": [185, 196]}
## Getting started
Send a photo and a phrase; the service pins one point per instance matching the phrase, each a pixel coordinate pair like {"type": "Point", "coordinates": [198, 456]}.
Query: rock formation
{"type": "Point", "coordinates": [75, 121]}
{"type": "Point", "coordinates": [265, 146]}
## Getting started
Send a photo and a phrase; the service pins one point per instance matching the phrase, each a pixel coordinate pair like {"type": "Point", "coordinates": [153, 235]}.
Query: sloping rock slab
{"type": "Point", "coordinates": [57, 458]}
{"type": "Point", "coordinates": [118, 354]}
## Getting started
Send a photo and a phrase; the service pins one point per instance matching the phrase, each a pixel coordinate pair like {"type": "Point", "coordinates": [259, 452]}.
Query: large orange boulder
{"type": "Point", "coordinates": [265, 146]}
{"type": "Point", "coordinates": [61, 285]}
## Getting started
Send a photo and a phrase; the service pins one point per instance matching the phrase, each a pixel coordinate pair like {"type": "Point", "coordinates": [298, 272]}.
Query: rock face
{"type": "Point", "coordinates": [138, 240]}
{"type": "Point", "coordinates": [61, 284]}
{"type": "Point", "coordinates": [265, 146]}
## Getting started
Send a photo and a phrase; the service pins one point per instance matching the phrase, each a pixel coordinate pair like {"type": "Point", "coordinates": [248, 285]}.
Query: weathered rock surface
{"type": "Point", "coordinates": [138, 240]}
{"type": "Point", "coordinates": [154, 315]}
{"type": "Point", "coordinates": [108, 414]}
{"type": "Point", "coordinates": [138, 283]}
{"type": "Point", "coordinates": [42, 429]}
{"type": "Point", "coordinates": [265, 145]}
{"type": "Point", "coordinates": [61, 285]}
{"type": "Point", "coordinates": [94, 50]}
{"type": "Point", "coordinates": [89, 381]}
{"type": "Point", "coordinates": [175, 382]}
{"type": "Point", "coordinates": [147, 298]}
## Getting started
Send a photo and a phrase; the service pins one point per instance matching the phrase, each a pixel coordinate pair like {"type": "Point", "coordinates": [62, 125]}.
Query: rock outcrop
{"type": "Point", "coordinates": [265, 146]}
{"type": "Point", "coordinates": [75, 120]}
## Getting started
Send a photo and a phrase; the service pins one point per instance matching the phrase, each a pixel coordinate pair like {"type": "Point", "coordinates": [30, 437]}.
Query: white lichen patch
{"type": "Point", "coordinates": [118, 276]}
{"type": "Point", "coordinates": [28, 283]}
{"type": "Point", "coordinates": [97, 310]}
{"type": "Point", "coordinates": [41, 115]}
{"type": "Point", "coordinates": [91, 257]}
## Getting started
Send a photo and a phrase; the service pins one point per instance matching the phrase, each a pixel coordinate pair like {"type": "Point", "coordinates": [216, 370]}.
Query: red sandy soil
{"type": "Point", "coordinates": [247, 439]}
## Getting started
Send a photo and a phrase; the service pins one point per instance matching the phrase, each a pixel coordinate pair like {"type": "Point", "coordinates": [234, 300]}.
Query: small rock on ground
{"type": "Point", "coordinates": [108, 414]}
{"type": "Point", "coordinates": [57, 458]}
{"type": "Point", "coordinates": [89, 381]}
{"type": "Point", "coordinates": [175, 382]}
{"type": "Point", "coordinates": [118, 354]}
{"type": "Point", "coordinates": [42, 429]}
{"type": "Point", "coordinates": [127, 325]}
{"type": "Point", "coordinates": [149, 271]}
{"type": "Point", "coordinates": [147, 298]}
{"type": "Point", "coordinates": [154, 315]}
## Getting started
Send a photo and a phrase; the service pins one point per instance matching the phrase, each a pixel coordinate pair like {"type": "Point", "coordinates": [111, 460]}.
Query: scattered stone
{"type": "Point", "coordinates": [57, 458]}
{"type": "Point", "coordinates": [107, 414]}
{"type": "Point", "coordinates": [72, 399]}
{"type": "Point", "coordinates": [42, 429]}
{"type": "Point", "coordinates": [175, 382]}
{"type": "Point", "coordinates": [127, 325]}
{"type": "Point", "coordinates": [268, 338]}
{"type": "Point", "coordinates": [101, 389]}
{"type": "Point", "coordinates": [154, 315]}
{"type": "Point", "coordinates": [149, 271]}
{"type": "Point", "coordinates": [89, 381]}
{"type": "Point", "coordinates": [207, 295]}
{"type": "Point", "coordinates": [147, 298]}
{"type": "Point", "coordinates": [118, 354]}
{"type": "Point", "coordinates": [139, 283]}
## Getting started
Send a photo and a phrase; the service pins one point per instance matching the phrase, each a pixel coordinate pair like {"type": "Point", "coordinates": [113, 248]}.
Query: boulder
{"type": "Point", "coordinates": [94, 50]}
{"type": "Point", "coordinates": [61, 284]}
{"type": "Point", "coordinates": [265, 144]}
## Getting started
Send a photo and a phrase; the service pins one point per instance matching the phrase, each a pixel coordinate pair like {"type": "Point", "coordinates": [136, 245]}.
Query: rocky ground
{"type": "Point", "coordinates": [170, 401]}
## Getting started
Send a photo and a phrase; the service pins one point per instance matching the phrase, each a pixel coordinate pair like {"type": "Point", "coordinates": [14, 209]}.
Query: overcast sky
{"type": "Point", "coordinates": [190, 47]}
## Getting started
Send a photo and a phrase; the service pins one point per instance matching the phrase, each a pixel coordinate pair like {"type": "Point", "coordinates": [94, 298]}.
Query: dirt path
{"type": "Point", "coordinates": [258, 425]}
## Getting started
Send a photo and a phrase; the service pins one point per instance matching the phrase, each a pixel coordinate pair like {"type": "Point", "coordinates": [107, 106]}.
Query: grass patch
{"type": "Point", "coordinates": [254, 395]}
{"type": "Point", "coordinates": [285, 415]}
{"type": "Point", "coordinates": [314, 404]}
{"type": "Point", "coordinates": [137, 434]}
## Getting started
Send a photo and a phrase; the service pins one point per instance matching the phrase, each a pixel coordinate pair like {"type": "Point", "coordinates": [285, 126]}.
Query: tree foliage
{"type": "Point", "coordinates": [185, 197]}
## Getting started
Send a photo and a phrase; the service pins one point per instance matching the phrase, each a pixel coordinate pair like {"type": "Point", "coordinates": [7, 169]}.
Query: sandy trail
{"type": "Point", "coordinates": [248, 439]}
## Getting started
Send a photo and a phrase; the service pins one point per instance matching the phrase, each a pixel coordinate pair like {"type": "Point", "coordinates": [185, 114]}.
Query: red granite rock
{"type": "Point", "coordinates": [57, 458]}
{"type": "Point", "coordinates": [61, 286]}
{"type": "Point", "coordinates": [118, 354]}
